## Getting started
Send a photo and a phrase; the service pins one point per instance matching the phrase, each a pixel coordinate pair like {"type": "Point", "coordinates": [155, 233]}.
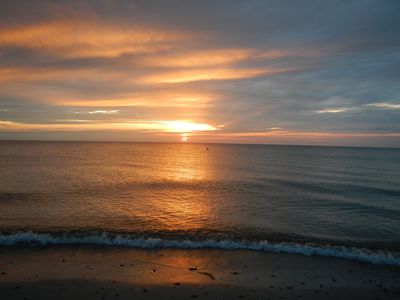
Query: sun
{"type": "Point", "coordinates": [183, 126]}
{"type": "Point", "coordinates": [184, 137]}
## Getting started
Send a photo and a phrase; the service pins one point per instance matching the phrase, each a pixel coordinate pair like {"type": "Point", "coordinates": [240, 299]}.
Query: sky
{"type": "Point", "coordinates": [269, 72]}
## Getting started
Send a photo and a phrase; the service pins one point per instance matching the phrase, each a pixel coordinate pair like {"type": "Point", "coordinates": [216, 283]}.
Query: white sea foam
{"type": "Point", "coordinates": [128, 240]}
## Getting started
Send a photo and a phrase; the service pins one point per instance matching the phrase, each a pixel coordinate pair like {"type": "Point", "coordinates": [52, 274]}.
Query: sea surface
{"type": "Point", "coordinates": [331, 201]}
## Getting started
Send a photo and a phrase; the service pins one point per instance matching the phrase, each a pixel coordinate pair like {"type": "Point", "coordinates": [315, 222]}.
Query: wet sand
{"type": "Point", "coordinates": [122, 273]}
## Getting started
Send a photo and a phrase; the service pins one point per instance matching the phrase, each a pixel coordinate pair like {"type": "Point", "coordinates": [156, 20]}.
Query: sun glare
{"type": "Point", "coordinates": [184, 138]}
{"type": "Point", "coordinates": [182, 126]}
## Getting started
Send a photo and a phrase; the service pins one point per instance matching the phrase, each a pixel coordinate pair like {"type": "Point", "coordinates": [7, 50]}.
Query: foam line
{"type": "Point", "coordinates": [130, 240]}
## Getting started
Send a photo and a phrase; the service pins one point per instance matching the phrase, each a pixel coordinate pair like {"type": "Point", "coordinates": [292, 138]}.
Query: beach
{"type": "Point", "coordinates": [170, 221]}
{"type": "Point", "coordinates": [66, 272]}
{"type": "Point", "coordinates": [215, 150]}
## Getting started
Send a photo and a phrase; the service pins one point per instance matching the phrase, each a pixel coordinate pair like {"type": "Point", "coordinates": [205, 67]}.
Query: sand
{"type": "Point", "coordinates": [123, 273]}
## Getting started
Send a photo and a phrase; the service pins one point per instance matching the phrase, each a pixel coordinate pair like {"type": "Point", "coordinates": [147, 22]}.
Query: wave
{"type": "Point", "coordinates": [131, 240]}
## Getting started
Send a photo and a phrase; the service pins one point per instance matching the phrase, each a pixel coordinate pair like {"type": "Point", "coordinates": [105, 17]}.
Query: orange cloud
{"type": "Point", "coordinates": [192, 100]}
{"type": "Point", "coordinates": [178, 99]}
{"type": "Point", "coordinates": [84, 38]}
{"type": "Point", "coordinates": [210, 74]}
{"type": "Point", "coordinates": [195, 59]}
{"type": "Point", "coordinates": [217, 57]}
{"type": "Point", "coordinates": [80, 125]}
{"type": "Point", "coordinates": [18, 74]}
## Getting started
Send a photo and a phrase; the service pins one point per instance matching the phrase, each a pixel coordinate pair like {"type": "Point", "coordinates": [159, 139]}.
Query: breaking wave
{"type": "Point", "coordinates": [131, 240]}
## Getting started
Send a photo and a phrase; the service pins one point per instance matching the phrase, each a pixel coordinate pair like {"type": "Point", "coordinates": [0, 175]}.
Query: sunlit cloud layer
{"type": "Point", "coordinates": [158, 126]}
{"type": "Point", "coordinates": [83, 38]}
{"type": "Point", "coordinates": [384, 105]}
{"type": "Point", "coordinates": [115, 111]}
{"type": "Point", "coordinates": [202, 71]}
{"type": "Point", "coordinates": [335, 110]}
{"type": "Point", "coordinates": [208, 75]}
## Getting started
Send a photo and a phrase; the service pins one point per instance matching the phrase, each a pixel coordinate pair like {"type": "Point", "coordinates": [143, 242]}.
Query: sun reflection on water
{"type": "Point", "coordinates": [177, 197]}
{"type": "Point", "coordinates": [185, 205]}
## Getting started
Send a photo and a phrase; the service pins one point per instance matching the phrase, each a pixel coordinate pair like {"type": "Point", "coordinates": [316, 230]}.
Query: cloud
{"type": "Point", "coordinates": [218, 57]}
{"type": "Point", "coordinates": [88, 38]}
{"type": "Point", "coordinates": [292, 67]}
{"type": "Point", "coordinates": [379, 105]}
{"type": "Point", "coordinates": [115, 111]}
{"type": "Point", "coordinates": [384, 105]}
{"type": "Point", "coordinates": [335, 110]}
{"type": "Point", "coordinates": [4, 123]}
{"type": "Point", "coordinates": [211, 74]}
{"type": "Point", "coordinates": [75, 121]}
{"type": "Point", "coordinates": [151, 126]}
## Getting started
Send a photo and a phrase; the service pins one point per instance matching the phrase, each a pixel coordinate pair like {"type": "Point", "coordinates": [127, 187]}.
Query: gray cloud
{"type": "Point", "coordinates": [335, 64]}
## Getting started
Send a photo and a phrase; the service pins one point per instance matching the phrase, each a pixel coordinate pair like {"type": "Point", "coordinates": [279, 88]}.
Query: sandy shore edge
{"type": "Point", "coordinates": [126, 273]}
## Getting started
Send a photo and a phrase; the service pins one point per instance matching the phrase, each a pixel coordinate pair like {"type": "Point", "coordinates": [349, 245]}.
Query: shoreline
{"type": "Point", "coordinates": [355, 252]}
{"type": "Point", "coordinates": [65, 272]}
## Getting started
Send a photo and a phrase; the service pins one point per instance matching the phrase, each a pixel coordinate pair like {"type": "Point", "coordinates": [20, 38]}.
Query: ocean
{"type": "Point", "coordinates": [332, 201]}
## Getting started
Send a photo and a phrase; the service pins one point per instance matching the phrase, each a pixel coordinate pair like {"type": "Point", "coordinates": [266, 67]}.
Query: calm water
{"type": "Point", "coordinates": [324, 200]}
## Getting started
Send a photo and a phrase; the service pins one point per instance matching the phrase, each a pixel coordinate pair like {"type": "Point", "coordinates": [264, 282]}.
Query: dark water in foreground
{"type": "Point", "coordinates": [334, 201]}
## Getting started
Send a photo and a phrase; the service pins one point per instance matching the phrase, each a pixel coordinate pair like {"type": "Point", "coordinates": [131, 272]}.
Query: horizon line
{"type": "Point", "coordinates": [195, 143]}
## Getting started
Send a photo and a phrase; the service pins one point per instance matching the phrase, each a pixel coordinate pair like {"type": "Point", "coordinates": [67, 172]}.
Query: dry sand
{"type": "Point", "coordinates": [122, 273]}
